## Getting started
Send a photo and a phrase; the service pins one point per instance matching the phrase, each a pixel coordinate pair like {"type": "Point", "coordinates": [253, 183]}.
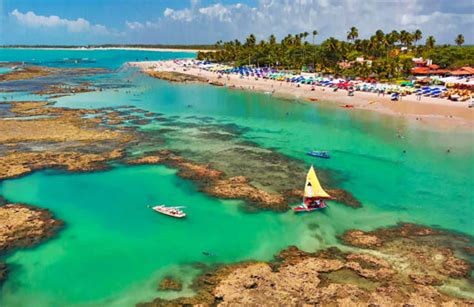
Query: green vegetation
{"type": "Point", "coordinates": [452, 56]}
{"type": "Point", "coordinates": [383, 54]}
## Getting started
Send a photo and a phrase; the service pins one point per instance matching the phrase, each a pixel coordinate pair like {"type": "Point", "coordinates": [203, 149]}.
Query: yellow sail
{"type": "Point", "coordinates": [312, 187]}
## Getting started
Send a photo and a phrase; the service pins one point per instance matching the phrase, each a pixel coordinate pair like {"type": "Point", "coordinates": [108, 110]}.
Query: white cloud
{"type": "Point", "coordinates": [219, 11]}
{"type": "Point", "coordinates": [30, 19]}
{"type": "Point", "coordinates": [183, 15]}
{"type": "Point", "coordinates": [208, 23]}
{"type": "Point", "coordinates": [201, 22]}
{"type": "Point", "coordinates": [135, 25]}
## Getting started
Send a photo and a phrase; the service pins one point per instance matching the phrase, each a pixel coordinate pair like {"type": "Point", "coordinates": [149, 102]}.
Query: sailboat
{"type": "Point", "coordinates": [314, 194]}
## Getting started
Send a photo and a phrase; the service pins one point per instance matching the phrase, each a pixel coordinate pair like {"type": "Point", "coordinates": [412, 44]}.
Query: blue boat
{"type": "Point", "coordinates": [318, 154]}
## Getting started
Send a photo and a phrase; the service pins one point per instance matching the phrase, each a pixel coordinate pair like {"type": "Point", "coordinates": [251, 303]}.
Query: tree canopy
{"type": "Point", "coordinates": [382, 53]}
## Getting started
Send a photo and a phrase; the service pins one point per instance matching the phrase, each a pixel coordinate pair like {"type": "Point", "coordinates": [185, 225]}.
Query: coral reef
{"type": "Point", "coordinates": [170, 284]}
{"type": "Point", "coordinates": [396, 273]}
{"type": "Point", "coordinates": [24, 226]}
{"type": "Point", "coordinates": [174, 76]}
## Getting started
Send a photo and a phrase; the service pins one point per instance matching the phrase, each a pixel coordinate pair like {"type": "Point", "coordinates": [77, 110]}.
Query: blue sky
{"type": "Point", "coordinates": [206, 21]}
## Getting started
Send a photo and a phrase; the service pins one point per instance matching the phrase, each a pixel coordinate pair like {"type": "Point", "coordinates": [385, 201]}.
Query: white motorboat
{"type": "Point", "coordinates": [170, 211]}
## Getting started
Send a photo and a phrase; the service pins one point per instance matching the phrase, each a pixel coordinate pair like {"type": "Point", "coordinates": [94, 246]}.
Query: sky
{"type": "Point", "coordinates": [79, 22]}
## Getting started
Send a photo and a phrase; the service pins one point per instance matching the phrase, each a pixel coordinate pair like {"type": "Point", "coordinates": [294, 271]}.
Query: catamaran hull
{"type": "Point", "coordinates": [301, 209]}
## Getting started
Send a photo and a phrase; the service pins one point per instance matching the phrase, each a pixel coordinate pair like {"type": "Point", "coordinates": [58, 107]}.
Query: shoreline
{"type": "Point", "coordinates": [114, 48]}
{"type": "Point", "coordinates": [438, 112]}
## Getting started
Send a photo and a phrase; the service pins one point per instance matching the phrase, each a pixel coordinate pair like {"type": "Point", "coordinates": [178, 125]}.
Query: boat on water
{"type": "Point", "coordinates": [314, 194]}
{"type": "Point", "coordinates": [318, 154]}
{"type": "Point", "coordinates": [170, 211]}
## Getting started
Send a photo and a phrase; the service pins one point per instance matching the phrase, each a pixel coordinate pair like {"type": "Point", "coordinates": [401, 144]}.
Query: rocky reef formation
{"type": "Point", "coordinates": [215, 182]}
{"type": "Point", "coordinates": [415, 269]}
{"type": "Point", "coordinates": [430, 252]}
{"type": "Point", "coordinates": [45, 136]}
{"type": "Point", "coordinates": [25, 73]}
{"type": "Point", "coordinates": [24, 226]}
{"type": "Point", "coordinates": [240, 188]}
{"type": "Point", "coordinates": [56, 138]}
{"type": "Point", "coordinates": [170, 284]}
{"type": "Point", "coordinates": [31, 72]}
{"type": "Point", "coordinates": [174, 76]}
{"type": "Point", "coordinates": [19, 163]}
{"type": "Point", "coordinates": [59, 90]}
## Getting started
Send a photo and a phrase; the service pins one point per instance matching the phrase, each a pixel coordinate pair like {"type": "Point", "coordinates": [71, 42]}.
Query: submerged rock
{"type": "Point", "coordinates": [24, 226]}
{"type": "Point", "coordinates": [30, 72]}
{"type": "Point", "coordinates": [213, 182]}
{"type": "Point", "coordinates": [63, 139]}
{"type": "Point", "coordinates": [145, 160]}
{"type": "Point", "coordinates": [170, 284]}
{"type": "Point", "coordinates": [17, 164]}
{"type": "Point", "coordinates": [239, 188]}
{"type": "Point", "coordinates": [61, 90]}
{"type": "Point", "coordinates": [174, 76]}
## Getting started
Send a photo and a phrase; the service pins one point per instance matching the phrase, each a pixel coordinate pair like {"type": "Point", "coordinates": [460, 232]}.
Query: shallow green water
{"type": "Point", "coordinates": [114, 249]}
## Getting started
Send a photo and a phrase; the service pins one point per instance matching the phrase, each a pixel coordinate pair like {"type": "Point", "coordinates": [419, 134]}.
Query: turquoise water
{"type": "Point", "coordinates": [114, 250]}
{"type": "Point", "coordinates": [111, 59]}
{"type": "Point", "coordinates": [4, 70]}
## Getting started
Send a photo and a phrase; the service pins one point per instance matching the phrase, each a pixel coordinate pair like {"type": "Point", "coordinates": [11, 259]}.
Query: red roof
{"type": "Point", "coordinates": [420, 70]}
{"type": "Point", "coordinates": [468, 69]}
{"type": "Point", "coordinates": [463, 71]}
{"type": "Point", "coordinates": [434, 66]}
{"type": "Point", "coordinates": [428, 71]}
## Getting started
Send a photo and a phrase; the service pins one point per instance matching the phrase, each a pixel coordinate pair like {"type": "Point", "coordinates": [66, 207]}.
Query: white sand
{"type": "Point", "coordinates": [440, 111]}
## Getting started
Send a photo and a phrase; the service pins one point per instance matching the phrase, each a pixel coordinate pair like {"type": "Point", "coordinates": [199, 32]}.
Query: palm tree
{"type": "Point", "coordinates": [218, 44]}
{"type": "Point", "coordinates": [430, 42]}
{"type": "Point", "coordinates": [352, 34]}
{"type": "Point", "coordinates": [417, 35]}
{"type": "Point", "coordinates": [379, 35]}
{"type": "Point", "coordinates": [405, 38]}
{"type": "Point", "coordinates": [393, 37]}
{"type": "Point", "coordinates": [315, 32]}
{"type": "Point", "coordinates": [251, 40]}
{"type": "Point", "coordinates": [272, 40]}
{"type": "Point", "coordinates": [459, 40]}
{"type": "Point", "coordinates": [305, 35]}
{"type": "Point", "coordinates": [298, 39]}
{"type": "Point", "coordinates": [333, 44]}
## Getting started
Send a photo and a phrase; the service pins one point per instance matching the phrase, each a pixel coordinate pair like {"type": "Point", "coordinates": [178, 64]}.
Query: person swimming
{"type": "Point", "coordinates": [210, 254]}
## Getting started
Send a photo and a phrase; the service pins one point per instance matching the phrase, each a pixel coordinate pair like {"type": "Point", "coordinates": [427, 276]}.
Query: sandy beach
{"type": "Point", "coordinates": [440, 112]}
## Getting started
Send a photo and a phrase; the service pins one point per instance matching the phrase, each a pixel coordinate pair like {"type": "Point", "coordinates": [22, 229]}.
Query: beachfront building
{"type": "Point", "coordinates": [427, 68]}
{"type": "Point", "coordinates": [463, 72]}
